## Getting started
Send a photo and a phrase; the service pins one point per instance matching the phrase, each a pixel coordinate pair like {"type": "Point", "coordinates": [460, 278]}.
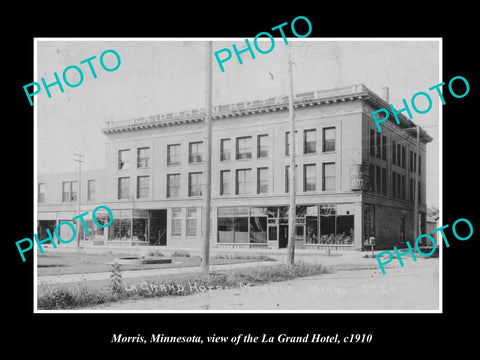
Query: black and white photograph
{"type": "Point", "coordinates": [231, 181]}
{"type": "Point", "coordinates": [147, 148]}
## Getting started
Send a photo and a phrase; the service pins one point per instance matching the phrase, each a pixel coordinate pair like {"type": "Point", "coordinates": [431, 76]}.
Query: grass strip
{"type": "Point", "coordinates": [61, 297]}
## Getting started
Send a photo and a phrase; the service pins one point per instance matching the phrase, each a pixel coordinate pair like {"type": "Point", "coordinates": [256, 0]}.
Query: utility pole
{"type": "Point", "coordinates": [208, 161]}
{"type": "Point", "coordinates": [415, 211]}
{"type": "Point", "coordinates": [79, 158]}
{"type": "Point", "coordinates": [292, 179]}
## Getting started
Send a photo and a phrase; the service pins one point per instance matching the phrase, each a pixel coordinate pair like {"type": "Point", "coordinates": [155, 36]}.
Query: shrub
{"type": "Point", "coordinates": [181, 253]}
{"type": "Point", "coordinates": [116, 279]}
{"type": "Point", "coordinates": [155, 253]}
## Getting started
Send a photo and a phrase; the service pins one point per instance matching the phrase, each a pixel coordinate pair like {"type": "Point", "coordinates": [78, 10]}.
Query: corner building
{"type": "Point", "coordinates": [353, 182]}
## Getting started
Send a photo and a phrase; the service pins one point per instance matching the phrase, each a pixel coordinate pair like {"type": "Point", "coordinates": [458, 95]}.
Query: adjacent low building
{"type": "Point", "coordinates": [353, 182]}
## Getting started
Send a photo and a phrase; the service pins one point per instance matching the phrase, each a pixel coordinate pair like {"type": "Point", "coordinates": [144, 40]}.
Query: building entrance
{"type": "Point", "coordinates": [157, 227]}
{"type": "Point", "coordinates": [282, 236]}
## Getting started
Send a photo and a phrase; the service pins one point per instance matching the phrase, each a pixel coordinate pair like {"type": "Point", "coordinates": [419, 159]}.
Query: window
{"type": "Point", "coordinates": [191, 221]}
{"type": "Point", "coordinates": [399, 186]}
{"type": "Point", "coordinates": [195, 152]}
{"type": "Point", "coordinates": [412, 190]}
{"type": "Point", "coordinates": [287, 143]}
{"type": "Point", "coordinates": [287, 178]}
{"type": "Point", "coordinates": [394, 184]}
{"type": "Point", "coordinates": [420, 164]}
{"type": "Point", "coordinates": [309, 177]}
{"type": "Point", "coordinates": [372, 177]}
{"type": "Point", "coordinates": [399, 155]}
{"type": "Point", "coordinates": [262, 146]}
{"type": "Point", "coordinates": [328, 182]}
{"type": "Point", "coordinates": [143, 157]}
{"type": "Point", "coordinates": [195, 184]}
{"type": "Point", "coordinates": [123, 188]}
{"type": "Point", "coordinates": [225, 182]}
{"type": "Point", "coordinates": [384, 181]}
{"type": "Point", "coordinates": [244, 181]}
{"type": "Point", "coordinates": [410, 161]}
{"type": "Point", "coordinates": [394, 153]}
{"type": "Point", "coordinates": [372, 142]}
{"type": "Point", "coordinates": [414, 162]}
{"type": "Point", "coordinates": [403, 187]}
{"type": "Point", "coordinates": [244, 147]}
{"type": "Point", "coordinates": [262, 180]}
{"type": "Point", "coordinates": [73, 191]}
{"type": "Point", "coordinates": [384, 147]}
{"type": "Point", "coordinates": [143, 186]}
{"type": "Point", "coordinates": [173, 185]}
{"type": "Point", "coordinates": [91, 190]}
{"type": "Point", "coordinates": [173, 154]}
{"type": "Point", "coordinates": [379, 146]}
{"type": "Point", "coordinates": [176, 222]}
{"type": "Point", "coordinates": [41, 193]}
{"type": "Point", "coordinates": [310, 141]}
{"type": "Point", "coordinates": [403, 157]}
{"type": "Point", "coordinates": [329, 139]}
{"type": "Point", "coordinates": [66, 191]}
{"type": "Point", "coordinates": [123, 159]}
{"type": "Point", "coordinates": [225, 149]}
{"type": "Point", "coordinates": [378, 180]}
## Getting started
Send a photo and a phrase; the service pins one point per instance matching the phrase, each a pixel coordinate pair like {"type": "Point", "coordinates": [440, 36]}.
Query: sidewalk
{"type": "Point", "coordinates": [346, 260]}
{"type": "Point", "coordinates": [130, 274]}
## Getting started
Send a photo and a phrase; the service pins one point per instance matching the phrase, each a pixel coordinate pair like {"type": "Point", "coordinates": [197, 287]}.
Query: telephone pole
{"type": "Point", "coordinates": [79, 158]}
{"type": "Point", "coordinates": [292, 178]}
{"type": "Point", "coordinates": [208, 161]}
{"type": "Point", "coordinates": [417, 166]}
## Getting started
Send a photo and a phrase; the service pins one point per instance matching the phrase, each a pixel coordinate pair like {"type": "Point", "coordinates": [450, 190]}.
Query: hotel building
{"type": "Point", "coordinates": [353, 182]}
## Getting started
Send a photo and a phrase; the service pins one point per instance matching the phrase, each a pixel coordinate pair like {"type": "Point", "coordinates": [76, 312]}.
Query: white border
{"type": "Point", "coordinates": [80, 311]}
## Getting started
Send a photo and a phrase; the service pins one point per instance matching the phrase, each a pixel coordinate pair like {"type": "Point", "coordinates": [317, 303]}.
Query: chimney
{"type": "Point", "coordinates": [386, 93]}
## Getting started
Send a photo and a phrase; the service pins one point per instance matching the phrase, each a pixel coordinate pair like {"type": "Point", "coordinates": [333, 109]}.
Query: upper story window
{"type": "Point", "coordinates": [394, 153]}
{"type": "Point", "coordinates": [372, 142]}
{"type": "Point", "coordinates": [225, 149]}
{"type": "Point", "coordinates": [173, 154]}
{"type": "Point", "coordinates": [262, 146]}
{"type": "Point", "coordinates": [384, 147]}
{"type": "Point", "coordinates": [262, 180]}
{"type": "Point", "coordinates": [123, 188]}
{"type": "Point", "coordinates": [225, 182]}
{"type": "Point", "coordinates": [309, 177]}
{"type": "Point", "coordinates": [143, 157]}
{"type": "Point", "coordinates": [123, 159]}
{"type": "Point", "coordinates": [328, 182]}
{"type": "Point", "coordinates": [195, 182]}
{"type": "Point", "coordinates": [310, 141]}
{"type": "Point", "coordinates": [328, 139]}
{"type": "Point", "coordinates": [41, 193]}
{"type": "Point", "coordinates": [244, 147]}
{"type": "Point", "coordinates": [69, 191]}
{"type": "Point", "coordinates": [195, 152]}
{"type": "Point", "coordinates": [91, 190]}
{"type": "Point", "coordinates": [173, 185]}
{"type": "Point", "coordinates": [143, 187]}
{"type": "Point", "coordinates": [244, 181]}
{"type": "Point", "coordinates": [287, 178]}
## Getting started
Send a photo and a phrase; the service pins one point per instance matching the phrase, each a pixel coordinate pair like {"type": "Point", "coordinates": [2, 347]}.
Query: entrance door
{"type": "Point", "coordinates": [158, 227]}
{"type": "Point", "coordinates": [282, 236]}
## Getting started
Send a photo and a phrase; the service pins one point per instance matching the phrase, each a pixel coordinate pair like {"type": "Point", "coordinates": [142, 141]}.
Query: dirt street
{"type": "Point", "coordinates": [413, 287]}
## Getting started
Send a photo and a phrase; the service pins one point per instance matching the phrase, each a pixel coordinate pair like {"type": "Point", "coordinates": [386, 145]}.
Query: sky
{"type": "Point", "coordinates": [164, 76]}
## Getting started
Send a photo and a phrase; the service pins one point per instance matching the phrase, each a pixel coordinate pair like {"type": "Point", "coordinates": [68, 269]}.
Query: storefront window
{"type": "Point", "coordinates": [120, 229]}
{"type": "Point", "coordinates": [258, 229]}
{"type": "Point", "coordinates": [140, 229]}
